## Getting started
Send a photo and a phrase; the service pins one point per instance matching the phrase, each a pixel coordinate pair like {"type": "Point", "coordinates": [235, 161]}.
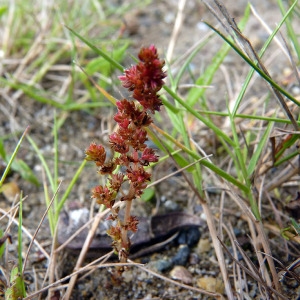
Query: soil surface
{"type": "Point", "coordinates": [190, 249]}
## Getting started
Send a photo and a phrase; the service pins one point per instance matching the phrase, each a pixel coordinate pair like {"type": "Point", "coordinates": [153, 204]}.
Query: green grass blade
{"type": "Point", "coordinates": [68, 190]}
{"type": "Point", "coordinates": [204, 162]}
{"type": "Point", "coordinates": [238, 156]}
{"type": "Point", "coordinates": [287, 144]}
{"type": "Point", "coordinates": [25, 171]}
{"type": "Point", "coordinates": [208, 123]}
{"type": "Point", "coordinates": [206, 78]}
{"type": "Point", "coordinates": [56, 151]}
{"type": "Point", "coordinates": [247, 117]}
{"type": "Point", "coordinates": [2, 150]}
{"type": "Point", "coordinates": [16, 289]}
{"type": "Point", "coordinates": [19, 166]}
{"type": "Point", "coordinates": [3, 10]}
{"type": "Point", "coordinates": [188, 61]}
{"type": "Point", "coordinates": [19, 282]}
{"type": "Point", "coordinates": [291, 32]}
{"type": "Point", "coordinates": [261, 145]}
{"type": "Point", "coordinates": [295, 225]}
{"type": "Point", "coordinates": [2, 245]}
{"type": "Point", "coordinates": [84, 106]}
{"type": "Point", "coordinates": [257, 69]}
{"type": "Point", "coordinates": [51, 210]}
{"type": "Point", "coordinates": [286, 158]}
{"type": "Point", "coordinates": [20, 240]}
{"type": "Point", "coordinates": [98, 51]}
{"type": "Point", "coordinates": [180, 160]}
{"type": "Point", "coordinates": [43, 161]}
{"type": "Point", "coordinates": [169, 106]}
{"type": "Point", "coordinates": [31, 92]}
{"type": "Point", "coordinates": [13, 157]}
{"type": "Point", "coordinates": [260, 55]}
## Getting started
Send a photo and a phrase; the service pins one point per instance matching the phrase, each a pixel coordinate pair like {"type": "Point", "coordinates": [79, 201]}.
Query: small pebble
{"type": "Point", "coordinates": [296, 90]}
{"type": "Point", "coordinates": [194, 259]}
{"type": "Point", "coordinates": [182, 274]}
{"type": "Point", "coordinates": [204, 246]}
{"type": "Point", "coordinates": [202, 27]}
{"type": "Point", "coordinates": [211, 284]}
{"type": "Point", "coordinates": [127, 275]}
{"type": "Point", "coordinates": [162, 265]}
{"type": "Point", "coordinates": [171, 205]}
{"type": "Point", "coordinates": [190, 236]}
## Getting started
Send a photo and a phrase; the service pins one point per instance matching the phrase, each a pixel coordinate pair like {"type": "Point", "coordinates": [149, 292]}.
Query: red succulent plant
{"type": "Point", "coordinates": [144, 80]}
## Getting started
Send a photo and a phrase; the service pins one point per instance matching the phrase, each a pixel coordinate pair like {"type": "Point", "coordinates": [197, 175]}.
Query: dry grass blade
{"type": "Point", "coordinates": [24, 229]}
{"type": "Point", "coordinates": [177, 172]}
{"type": "Point", "coordinates": [265, 25]}
{"type": "Point", "coordinates": [284, 176]}
{"type": "Point", "coordinates": [213, 7]}
{"type": "Point", "coordinates": [39, 226]}
{"type": "Point", "coordinates": [289, 270]}
{"type": "Point", "coordinates": [73, 236]}
{"type": "Point", "coordinates": [238, 275]}
{"type": "Point", "coordinates": [249, 50]}
{"type": "Point", "coordinates": [176, 28]}
{"type": "Point", "coordinates": [254, 275]}
{"type": "Point", "coordinates": [254, 227]}
{"type": "Point", "coordinates": [100, 89]}
{"type": "Point", "coordinates": [102, 259]}
{"type": "Point", "coordinates": [252, 268]}
{"type": "Point", "coordinates": [293, 63]}
{"type": "Point", "coordinates": [83, 253]}
{"type": "Point", "coordinates": [276, 92]}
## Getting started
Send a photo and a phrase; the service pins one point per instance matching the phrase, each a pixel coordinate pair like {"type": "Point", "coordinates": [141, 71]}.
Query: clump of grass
{"type": "Point", "coordinates": [14, 287]}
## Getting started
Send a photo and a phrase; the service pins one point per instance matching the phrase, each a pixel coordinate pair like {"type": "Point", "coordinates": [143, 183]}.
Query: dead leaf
{"type": "Point", "coordinates": [10, 190]}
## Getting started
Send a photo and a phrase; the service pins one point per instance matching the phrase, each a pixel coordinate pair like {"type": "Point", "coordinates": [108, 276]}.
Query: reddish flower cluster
{"type": "Point", "coordinates": [144, 80]}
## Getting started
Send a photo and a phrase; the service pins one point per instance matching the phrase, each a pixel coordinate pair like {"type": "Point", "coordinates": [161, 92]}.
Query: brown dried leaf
{"type": "Point", "coordinates": [10, 190]}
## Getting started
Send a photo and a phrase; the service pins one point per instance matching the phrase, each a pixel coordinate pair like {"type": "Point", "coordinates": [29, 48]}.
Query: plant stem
{"type": "Point", "coordinates": [266, 246]}
{"type": "Point", "coordinates": [125, 240]}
